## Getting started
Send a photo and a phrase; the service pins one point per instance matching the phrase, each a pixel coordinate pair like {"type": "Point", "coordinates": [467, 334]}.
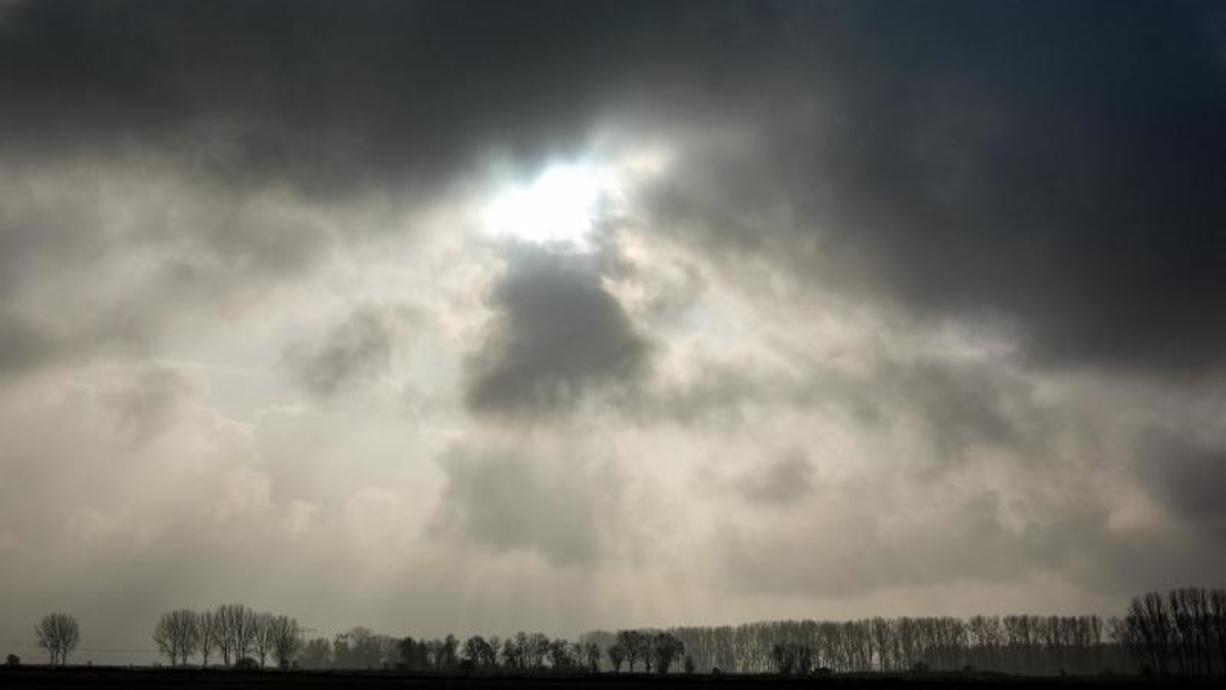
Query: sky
{"type": "Point", "coordinates": [476, 317]}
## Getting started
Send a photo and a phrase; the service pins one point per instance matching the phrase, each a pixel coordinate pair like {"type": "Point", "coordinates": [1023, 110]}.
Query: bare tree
{"type": "Point", "coordinates": [262, 636]}
{"type": "Point", "coordinates": [480, 653]}
{"type": "Point", "coordinates": [449, 651]}
{"type": "Point", "coordinates": [236, 628]}
{"type": "Point", "coordinates": [512, 656]}
{"type": "Point", "coordinates": [209, 635]}
{"type": "Point", "coordinates": [224, 618]}
{"type": "Point", "coordinates": [317, 654]}
{"type": "Point", "coordinates": [617, 654]}
{"type": "Point", "coordinates": [634, 645]}
{"type": "Point", "coordinates": [177, 635]}
{"type": "Point", "coordinates": [164, 638]}
{"type": "Point", "coordinates": [536, 649]}
{"type": "Point", "coordinates": [792, 658]}
{"type": "Point", "coordinates": [58, 633]}
{"type": "Point", "coordinates": [666, 649]}
{"type": "Point", "coordinates": [559, 653]}
{"type": "Point", "coordinates": [495, 643]}
{"type": "Point", "coordinates": [1151, 620]}
{"type": "Point", "coordinates": [1217, 623]}
{"type": "Point", "coordinates": [286, 639]}
{"type": "Point", "coordinates": [591, 655]}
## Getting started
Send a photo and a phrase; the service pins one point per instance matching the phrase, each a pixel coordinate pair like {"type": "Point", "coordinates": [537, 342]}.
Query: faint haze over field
{"type": "Point", "coordinates": [484, 316]}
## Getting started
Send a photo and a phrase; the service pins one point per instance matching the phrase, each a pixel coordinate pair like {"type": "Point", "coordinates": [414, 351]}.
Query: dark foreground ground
{"type": "Point", "coordinates": [195, 679]}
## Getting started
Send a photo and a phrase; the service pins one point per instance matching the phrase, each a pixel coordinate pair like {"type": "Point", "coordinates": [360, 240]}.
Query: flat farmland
{"type": "Point", "coordinates": [122, 677]}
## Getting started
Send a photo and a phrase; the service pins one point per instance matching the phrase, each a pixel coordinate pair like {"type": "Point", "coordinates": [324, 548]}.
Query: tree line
{"type": "Point", "coordinates": [234, 631]}
{"type": "Point", "coordinates": [360, 648]}
{"type": "Point", "coordinates": [656, 649]}
{"type": "Point", "coordinates": [1182, 632]}
{"type": "Point", "coordinates": [1015, 644]}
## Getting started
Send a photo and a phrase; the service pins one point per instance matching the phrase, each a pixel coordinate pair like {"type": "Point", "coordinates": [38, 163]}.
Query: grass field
{"type": "Point", "coordinates": [118, 677]}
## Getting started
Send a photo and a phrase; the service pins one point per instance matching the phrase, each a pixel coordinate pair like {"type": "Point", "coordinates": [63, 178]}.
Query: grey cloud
{"type": "Point", "coordinates": [45, 239]}
{"type": "Point", "coordinates": [328, 99]}
{"type": "Point", "coordinates": [966, 405]}
{"type": "Point", "coordinates": [151, 402]}
{"type": "Point", "coordinates": [29, 341]}
{"type": "Point", "coordinates": [22, 345]}
{"type": "Point", "coordinates": [867, 545]}
{"type": "Point", "coordinates": [1186, 474]}
{"type": "Point", "coordinates": [359, 349]}
{"type": "Point", "coordinates": [558, 337]}
{"type": "Point", "coordinates": [852, 556]}
{"type": "Point", "coordinates": [781, 482]}
{"type": "Point", "coordinates": [1026, 161]}
{"type": "Point", "coordinates": [521, 496]}
{"type": "Point", "coordinates": [960, 405]}
{"type": "Point", "coordinates": [96, 265]}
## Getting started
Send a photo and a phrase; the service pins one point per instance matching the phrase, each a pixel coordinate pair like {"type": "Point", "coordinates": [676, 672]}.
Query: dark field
{"type": "Point", "coordinates": [164, 678]}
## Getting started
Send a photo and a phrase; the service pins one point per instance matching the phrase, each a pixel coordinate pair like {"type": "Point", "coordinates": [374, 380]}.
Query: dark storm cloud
{"type": "Point", "coordinates": [330, 98]}
{"type": "Point", "coordinates": [558, 336]}
{"type": "Point", "coordinates": [1050, 163]}
{"type": "Point", "coordinates": [359, 349]}
{"type": "Point", "coordinates": [1186, 476]}
{"type": "Point", "coordinates": [1062, 168]}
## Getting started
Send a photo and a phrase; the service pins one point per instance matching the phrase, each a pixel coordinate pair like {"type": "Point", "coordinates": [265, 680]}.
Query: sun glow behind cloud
{"type": "Point", "coordinates": [562, 205]}
{"type": "Point", "coordinates": [557, 207]}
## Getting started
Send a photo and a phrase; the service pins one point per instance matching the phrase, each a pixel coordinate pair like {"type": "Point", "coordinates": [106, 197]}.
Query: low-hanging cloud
{"type": "Point", "coordinates": [359, 349]}
{"type": "Point", "coordinates": [908, 300]}
{"type": "Point", "coordinates": [518, 495]}
{"type": "Point", "coordinates": [557, 337]}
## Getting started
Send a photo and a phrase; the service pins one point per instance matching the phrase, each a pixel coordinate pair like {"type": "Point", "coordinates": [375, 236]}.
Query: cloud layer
{"type": "Point", "coordinates": [884, 310]}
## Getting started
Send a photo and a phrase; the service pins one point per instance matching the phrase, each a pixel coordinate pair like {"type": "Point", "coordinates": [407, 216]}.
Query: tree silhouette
{"type": "Point", "coordinates": [209, 635]}
{"type": "Point", "coordinates": [478, 653]}
{"type": "Point", "coordinates": [317, 654]}
{"type": "Point", "coordinates": [666, 649]}
{"type": "Point", "coordinates": [177, 635]}
{"type": "Point", "coordinates": [1182, 631]}
{"type": "Point", "coordinates": [58, 634]}
{"type": "Point", "coordinates": [634, 644]}
{"type": "Point", "coordinates": [286, 639]}
{"type": "Point", "coordinates": [263, 637]}
{"type": "Point", "coordinates": [617, 655]}
{"type": "Point", "coordinates": [792, 658]}
{"type": "Point", "coordinates": [235, 629]}
{"type": "Point", "coordinates": [591, 654]}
